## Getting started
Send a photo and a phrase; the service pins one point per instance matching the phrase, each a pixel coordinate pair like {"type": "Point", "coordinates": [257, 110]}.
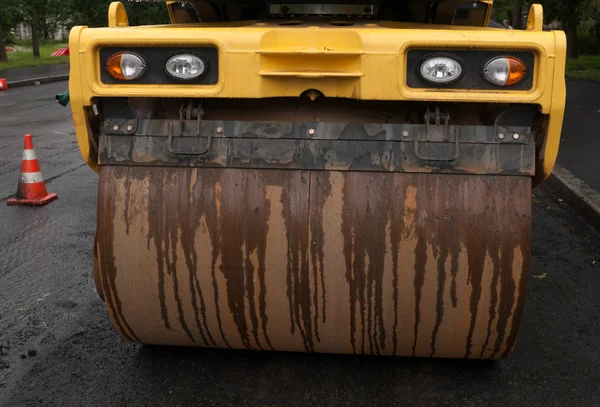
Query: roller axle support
{"type": "Point", "coordinates": [385, 263]}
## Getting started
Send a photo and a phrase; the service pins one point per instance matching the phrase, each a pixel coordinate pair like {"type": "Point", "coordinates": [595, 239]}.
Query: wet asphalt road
{"type": "Point", "coordinates": [58, 348]}
{"type": "Point", "coordinates": [19, 74]}
{"type": "Point", "coordinates": [579, 140]}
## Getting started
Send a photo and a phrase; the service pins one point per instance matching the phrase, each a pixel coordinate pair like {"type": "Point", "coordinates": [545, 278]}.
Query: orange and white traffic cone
{"type": "Point", "coordinates": [31, 189]}
{"type": "Point", "coordinates": [3, 84]}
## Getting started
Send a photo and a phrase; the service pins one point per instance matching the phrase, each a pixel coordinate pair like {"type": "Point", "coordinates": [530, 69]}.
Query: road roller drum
{"type": "Point", "coordinates": [317, 261]}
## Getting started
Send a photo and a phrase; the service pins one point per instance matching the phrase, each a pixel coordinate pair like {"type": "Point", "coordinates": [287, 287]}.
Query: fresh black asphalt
{"type": "Point", "coordinates": [580, 139]}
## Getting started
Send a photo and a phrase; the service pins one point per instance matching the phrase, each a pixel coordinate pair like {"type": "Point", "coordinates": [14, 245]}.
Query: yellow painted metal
{"type": "Point", "coordinates": [170, 10]}
{"type": "Point", "coordinates": [547, 157]}
{"type": "Point", "coordinates": [488, 14]}
{"type": "Point", "coordinates": [78, 104]}
{"type": "Point", "coordinates": [366, 61]}
{"type": "Point", "coordinates": [535, 20]}
{"type": "Point", "coordinates": [117, 16]}
{"type": "Point", "coordinates": [378, 53]}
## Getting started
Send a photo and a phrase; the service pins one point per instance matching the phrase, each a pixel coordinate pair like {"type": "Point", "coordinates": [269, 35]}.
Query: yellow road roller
{"type": "Point", "coordinates": [345, 177]}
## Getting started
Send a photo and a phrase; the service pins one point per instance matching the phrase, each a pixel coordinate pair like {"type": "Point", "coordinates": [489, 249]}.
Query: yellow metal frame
{"type": "Point", "coordinates": [366, 61]}
{"type": "Point", "coordinates": [117, 15]}
{"type": "Point", "coordinates": [488, 14]}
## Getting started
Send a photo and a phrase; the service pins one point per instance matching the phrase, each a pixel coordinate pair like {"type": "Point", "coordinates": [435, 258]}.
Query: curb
{"type": "Point", "coordinates": [583, 198]}
{"type": "Point", "coordinates": [37, 81]}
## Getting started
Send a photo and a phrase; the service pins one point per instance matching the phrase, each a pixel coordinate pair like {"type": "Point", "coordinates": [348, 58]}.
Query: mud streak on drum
{"type": "Point", "coordinates": [106, 262]}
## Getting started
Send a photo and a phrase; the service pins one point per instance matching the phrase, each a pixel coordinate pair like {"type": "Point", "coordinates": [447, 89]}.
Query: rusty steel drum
{"type": "Point", "coordinates": [408, 264]}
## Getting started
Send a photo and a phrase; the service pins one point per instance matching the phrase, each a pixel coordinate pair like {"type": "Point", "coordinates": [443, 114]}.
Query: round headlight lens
{"type": "Point", "coordinates": [126, 66]}
{"type": "Point", "coordinates": [185, 66]}
{"type": "Point", "coordinates": [441, 70]}
{"type": "Point", "coordinates": [504, 71]}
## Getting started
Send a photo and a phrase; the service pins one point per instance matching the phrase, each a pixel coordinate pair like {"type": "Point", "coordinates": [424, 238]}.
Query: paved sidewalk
{"type": "Point", "coordinates": [580, 141]}
{"type": "Point", "coordinates": [34, 72]}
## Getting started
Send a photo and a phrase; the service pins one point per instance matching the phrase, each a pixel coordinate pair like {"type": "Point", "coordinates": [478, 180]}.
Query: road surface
{"type": "Point", "coordinates": [580, 143]}
{"type": "Point", "coordinates": [19, 74]}
{"type": "Point", "coordinates": [58, 348]}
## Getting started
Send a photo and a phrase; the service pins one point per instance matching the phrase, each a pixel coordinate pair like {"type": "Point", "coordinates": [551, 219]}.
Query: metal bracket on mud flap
{"type": "Point", "coordinates": [437, 118]}
{"type": "Point", "coordinates": [189, 113]}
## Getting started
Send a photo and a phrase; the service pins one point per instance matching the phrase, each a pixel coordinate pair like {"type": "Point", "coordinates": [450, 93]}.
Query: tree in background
{"type": "Point", "coordinates": [44, 16]}
{"type": "Point", "coordinates": [517, 9]}
{"type": "Point", "coordinates": [595, 15]}
{"type": "Point", "coordinates": [505, 10]}
{"type": "Point", "coordinates": [146, 13]}
{"type": "Point", "coordinates": [500, 10]}
{"type": "Point", "coordinates": [94, 13]}
{"type": "Point", "coordinates": [569, 13]}
{"type": "Point", "coordinates": [10, 16]}
{"type": "Point", "coordinates": [3, 54]}
{"type": "Point", "coordinates": [35, 32]}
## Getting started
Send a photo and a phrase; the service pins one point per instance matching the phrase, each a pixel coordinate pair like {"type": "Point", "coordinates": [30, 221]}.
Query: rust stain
{"type": "Point", "coordinates": [401, 205]}
{"type": "Point", "coordinates": [105, 252]}
{"type": "Point", "coordinates": [395, 234]}
{"type": "Point", "coordinates": [295, 214]}
{"type": "Point", "coordinates": [235, 246]}
{"type": "Point", "coordinates": [127, 200]}
{"type": "Point", "coordinates": [187, 228]}
{"type": "Point", "coordinates": [317, 233]}
{"type": "Point", "coordinates": [512, 300]}
{"type": "Point", "coordinates": [214, 232]}
{"type": "Point", "coordinates": [365, 213]}
{"type": "Point", "coordinates": [517, 314]}
{"type": "Point", "coordinates": [476, 240]}
{"type": "Point", "coordinates": [420, 261]}
{"type": "Point", "coordinates": [440, 251]}
{"type": "Point", "coordinates": [495, 256]}
{"type": "Point", "coordinates": [163, 230]}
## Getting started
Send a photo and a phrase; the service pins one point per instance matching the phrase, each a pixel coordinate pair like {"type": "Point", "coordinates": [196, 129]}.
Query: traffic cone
{"type": "Point", "coordinates": [31, 189]}
{"type": "Point", "coordinates": [3, 84]}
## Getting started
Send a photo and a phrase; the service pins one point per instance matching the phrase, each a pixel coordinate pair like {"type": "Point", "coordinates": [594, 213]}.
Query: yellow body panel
{"type": "Point", "coordinates": [366, 61]}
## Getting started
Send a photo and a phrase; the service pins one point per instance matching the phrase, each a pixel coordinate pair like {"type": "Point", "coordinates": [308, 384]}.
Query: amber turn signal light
{"type": "Point", "coordinates": [504, 71]}
{"type": "Point", "coordinates": [126, 66]}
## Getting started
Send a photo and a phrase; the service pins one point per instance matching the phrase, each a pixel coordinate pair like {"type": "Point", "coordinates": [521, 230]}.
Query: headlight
{"type": "Point", "coordinates": [504, 71]}
{"type": "Point", "coordinates": [126, 66]}
{"type": "Point", "coordinates": [185, 66]}
{"type": "Point", "coordinates": [441, 70]}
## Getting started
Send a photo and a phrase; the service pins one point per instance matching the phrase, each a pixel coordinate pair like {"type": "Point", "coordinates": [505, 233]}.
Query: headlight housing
{"type": "Point", "coordinates": [185, 66]}
{"type": "Point", "coordinates": [441, 69]}
{"type": "Point", "coordinates": [126, 66]}
{"type": "Point", "coordinates": [504, 71]}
